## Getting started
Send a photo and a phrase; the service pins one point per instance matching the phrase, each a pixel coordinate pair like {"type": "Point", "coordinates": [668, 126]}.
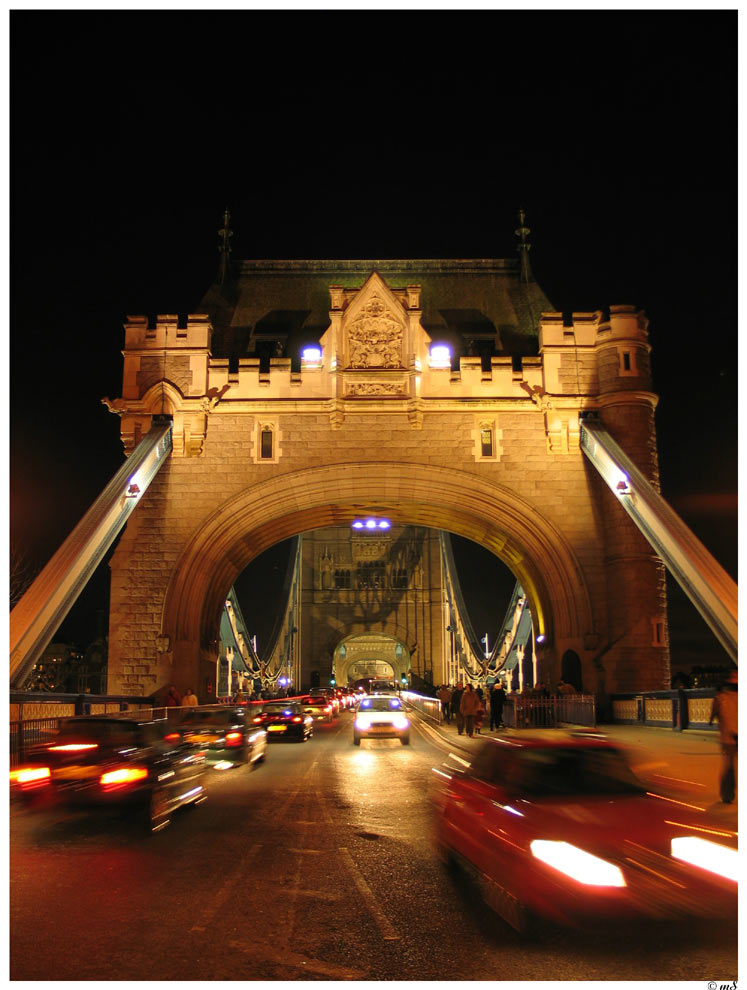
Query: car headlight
{"type": "Point", "coordinates": [711, 856]}
{"type": "Point", "coordinates": [577, 864]}
{"type": "Point", "coordinates": [400, 721]}
{"type": "Point", "coordinates": [363, 721]}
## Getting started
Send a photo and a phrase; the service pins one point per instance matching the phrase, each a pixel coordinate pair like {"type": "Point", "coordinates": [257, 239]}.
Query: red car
{"type": "Point", "coordinates": [560, 828]}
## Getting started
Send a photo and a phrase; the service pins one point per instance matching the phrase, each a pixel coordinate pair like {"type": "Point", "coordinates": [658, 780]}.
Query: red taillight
{"type": "Point", "coordinates": [123, 776]}
{"type": "Point", "coordinates": [234, 738]}
{"type": "Point", "coordinates": [296, 718]}
{"type": "Point", "coordinates": [172, 737]}
{"type": "Point", "coordinates": [31, 775]}
{"type": "Point", "coordinates": [257, 719]}
{"type": "Point", "coordinates": [72, 747]}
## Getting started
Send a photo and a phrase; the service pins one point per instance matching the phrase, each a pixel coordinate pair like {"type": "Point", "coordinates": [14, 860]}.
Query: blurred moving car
{"type": "Point", "coordinates": [560, 828]}
{"type": "Point", "coordinates": [319, 707]}
{"type": "Point", "coordinates": [284, 720]}
{"type": "Point", "coordinates": [226, 733]}
{"type": "Point", "coordinates": [106, 762]}
{"type": "Point", "coordinates": [381, 716]}
{"type": "Point", "coordinates": [332, 699]}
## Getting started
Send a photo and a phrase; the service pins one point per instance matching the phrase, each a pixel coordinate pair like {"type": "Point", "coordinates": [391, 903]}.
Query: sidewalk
{"type": "Point", "coordinates": [682, 765]}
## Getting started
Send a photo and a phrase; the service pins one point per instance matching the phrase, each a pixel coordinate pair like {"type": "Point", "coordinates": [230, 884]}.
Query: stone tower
{"type": "Point", "coordinates": [443, 394]}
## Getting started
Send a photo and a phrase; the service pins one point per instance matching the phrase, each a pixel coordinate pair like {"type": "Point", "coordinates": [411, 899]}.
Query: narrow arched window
{"type": "Point", "coordinates": [486, 441]}
{"type": "Point", "coordinates": [265, 444]}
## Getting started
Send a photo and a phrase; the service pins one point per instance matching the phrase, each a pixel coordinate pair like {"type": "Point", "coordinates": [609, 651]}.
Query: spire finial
{"type": "Point", "coordinates": [524, 248]}
{"type": "Point", "coordinates": [225, 234]}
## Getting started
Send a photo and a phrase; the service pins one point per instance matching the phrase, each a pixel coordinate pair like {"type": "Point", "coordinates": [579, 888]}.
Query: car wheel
{"type": "Point", "coordinates": [157, 811]}
{"type": "Point", "coordinates": [405, 740]}
{"type": "Point", "coordinates": [356, 740]}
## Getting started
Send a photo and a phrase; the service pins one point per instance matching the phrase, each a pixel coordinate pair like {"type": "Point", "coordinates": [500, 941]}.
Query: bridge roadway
{"type": "Point", "coordinates": [317, 865]}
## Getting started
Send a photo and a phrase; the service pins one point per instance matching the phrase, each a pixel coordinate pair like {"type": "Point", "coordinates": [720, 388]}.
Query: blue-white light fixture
{"type": "Point", "coordinates": [439, 356]}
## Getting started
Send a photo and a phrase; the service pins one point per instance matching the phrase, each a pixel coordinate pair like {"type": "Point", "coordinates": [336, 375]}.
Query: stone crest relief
{"type": "Point", "coordinates": [375, 338]}
{"type": "Point", "coordinates": [375, 389]}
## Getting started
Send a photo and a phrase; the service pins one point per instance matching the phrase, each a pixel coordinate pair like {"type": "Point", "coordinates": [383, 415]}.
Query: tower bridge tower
{"type": "Point", "coordinates": [441, 394]}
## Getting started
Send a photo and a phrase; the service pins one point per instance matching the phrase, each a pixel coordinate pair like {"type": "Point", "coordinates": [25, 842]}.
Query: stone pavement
{"type": "Point", "coordinates": [682, 765]}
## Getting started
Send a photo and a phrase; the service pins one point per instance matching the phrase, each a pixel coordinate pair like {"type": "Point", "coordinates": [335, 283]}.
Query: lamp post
{"type": "Point", "coordinates": [452, 671]}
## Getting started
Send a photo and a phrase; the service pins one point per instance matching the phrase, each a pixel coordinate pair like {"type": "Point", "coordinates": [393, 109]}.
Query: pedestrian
{"type": "Point", "coordinates": [190, 699]}
{"type": "Point", "coordinates": [497, 697]}
{"type": "Point", "coordinates": [444, 696]}
{"type": "Point", "coordinates": [468, 706]}
{"type": "Point", "coordinates": [479, 715]}
{"type": "Point", "coordinates": [726, 709]}
{"type": "Point", "coordinates": [173, 698]}
{"type": "Point", "coordinates": [456, 711]}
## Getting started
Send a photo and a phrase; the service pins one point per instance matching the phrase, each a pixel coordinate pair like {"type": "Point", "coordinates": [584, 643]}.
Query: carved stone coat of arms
{"type": "Point", "coordinates": [375, 338]}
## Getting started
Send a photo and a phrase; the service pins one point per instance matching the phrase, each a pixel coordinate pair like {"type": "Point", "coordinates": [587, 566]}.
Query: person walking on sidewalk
{"type": "Point", "coordinates": [444, 696]}
{"type": "Point", "coordinates": [479, 715]}
{"type": "Point", "coordinates": [468, 706]}
{"type": "Point", "coordinates": [726, 709]}
{"type": "Point", "coordinates": [497, 697]}
{"type": "Point", "coordinates": [456, 701]}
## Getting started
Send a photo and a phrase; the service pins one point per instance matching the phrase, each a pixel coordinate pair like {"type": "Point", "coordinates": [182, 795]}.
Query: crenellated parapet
{"type": "Point", "coordinates": [376, 356]}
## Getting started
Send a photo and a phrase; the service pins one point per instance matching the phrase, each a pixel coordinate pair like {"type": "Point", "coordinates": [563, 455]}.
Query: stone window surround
{"type": "Point", "coordinates": [622, 351]}
{"type": "Point", "coordinates": [481, 424]}
{"type": "Point", "coordinates": [260, 426]}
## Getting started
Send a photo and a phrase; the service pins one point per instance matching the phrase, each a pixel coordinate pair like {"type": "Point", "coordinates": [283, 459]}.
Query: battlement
{"type": "Point", "coordinates": [140, 335]}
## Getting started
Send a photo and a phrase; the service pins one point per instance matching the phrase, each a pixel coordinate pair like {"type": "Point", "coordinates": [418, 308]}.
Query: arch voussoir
{"type": "Point", "coordinates": [315, 498]}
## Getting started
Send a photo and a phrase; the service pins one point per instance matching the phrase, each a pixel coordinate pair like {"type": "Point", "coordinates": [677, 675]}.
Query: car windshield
{"type": "Point", "coordinates": [225, 717]}
{"type": "Point", "coordinates": [571, 771]}
{"type": "Point", "coordinates": [279, 709]}
{"type": "Point", "coordinates": [381, 704]}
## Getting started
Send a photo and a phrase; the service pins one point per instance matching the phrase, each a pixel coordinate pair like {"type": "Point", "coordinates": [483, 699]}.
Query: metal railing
{"type": "Point", "coordinates": [549, 713]}
{"type": "Point", "coordinates": [430, 707]}
{"type": "Point", "coordinates": [26, 732]}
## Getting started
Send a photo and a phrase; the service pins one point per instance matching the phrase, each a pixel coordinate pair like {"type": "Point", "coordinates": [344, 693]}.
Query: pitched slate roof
{"type": "Point", "coordinates": [461, 300]}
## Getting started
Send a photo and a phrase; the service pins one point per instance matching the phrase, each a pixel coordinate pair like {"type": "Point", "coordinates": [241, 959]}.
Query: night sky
{"type": "Point", "coordinates": [376, 133]}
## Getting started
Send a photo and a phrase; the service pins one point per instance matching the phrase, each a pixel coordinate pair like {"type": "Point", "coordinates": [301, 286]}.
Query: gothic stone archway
{"type": "Point", "coordinates": [372, 649]}
{"type": "Point", "coordinates": [194, 586]}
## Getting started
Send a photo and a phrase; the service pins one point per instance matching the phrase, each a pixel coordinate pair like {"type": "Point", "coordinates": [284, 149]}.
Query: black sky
{"type": "Point", "coordinates": [366, 134]}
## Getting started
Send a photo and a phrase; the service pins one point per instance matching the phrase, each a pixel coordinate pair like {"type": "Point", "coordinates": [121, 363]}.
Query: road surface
{"type": "Point", "coordinates": [317, 865]}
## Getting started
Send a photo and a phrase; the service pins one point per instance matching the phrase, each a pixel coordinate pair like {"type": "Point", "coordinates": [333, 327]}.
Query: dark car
{"type": "Point", "coordinates": [226, 733]}
{"type": "Point", "coordinates": [284, 720]}
{"type": "Point", "coordinates": [560, 828]}
{"type": "Point", "coordinates": [107, 762]}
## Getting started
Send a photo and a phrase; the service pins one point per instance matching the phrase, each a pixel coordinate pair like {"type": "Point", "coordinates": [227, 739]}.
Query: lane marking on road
{"type": "Point", "coordinates": [372, 904]}
{"type": "Point", "coordinates": [323, 803]}
{"type": "Point", "coordinates": [320, 895]}
{"type": "Point", "coordinates": [225, 891]}
{"type": "Point", "coordinates": [306, 852]}
{"type": "Point", "coordinates": [295, 960]}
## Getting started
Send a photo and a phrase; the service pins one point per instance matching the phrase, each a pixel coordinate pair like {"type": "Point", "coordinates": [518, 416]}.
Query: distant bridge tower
{"type": "Point", "coordinates": [375, 600]}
